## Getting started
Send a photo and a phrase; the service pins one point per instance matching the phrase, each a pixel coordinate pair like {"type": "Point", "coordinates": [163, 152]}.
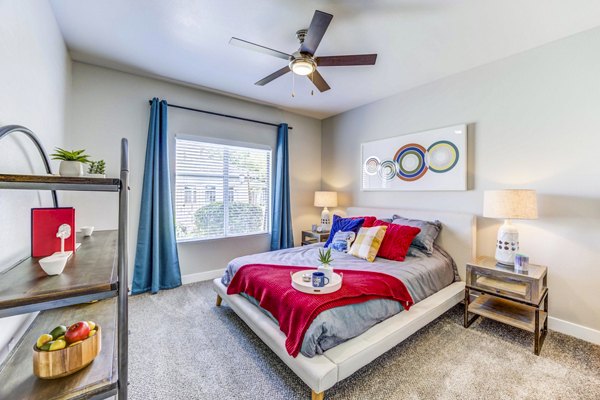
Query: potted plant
{"type": "Point", "coordinates": [71, 162]}
{"type": "Point", "coordinates": [97, 169]}
{"type": "Point", "coordinates": [325, 260]}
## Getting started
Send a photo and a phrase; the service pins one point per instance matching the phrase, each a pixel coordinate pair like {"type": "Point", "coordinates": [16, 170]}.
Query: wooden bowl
{"type": "Point", "coordinates": [67, 361]}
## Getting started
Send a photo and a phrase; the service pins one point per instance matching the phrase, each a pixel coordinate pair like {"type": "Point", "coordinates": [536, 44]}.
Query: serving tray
{"type": "Point", "coordinates": [307, 287]}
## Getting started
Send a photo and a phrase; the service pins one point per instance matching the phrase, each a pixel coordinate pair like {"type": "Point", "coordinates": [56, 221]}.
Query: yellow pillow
{"type": "Point", "coordinates": [367, 242]}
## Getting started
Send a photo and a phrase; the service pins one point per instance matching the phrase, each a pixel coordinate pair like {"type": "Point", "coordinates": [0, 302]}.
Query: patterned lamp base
{"type": "Point", "coordinates": [325, 220]}
{"type": "Point", "coordinates": [507, 244]}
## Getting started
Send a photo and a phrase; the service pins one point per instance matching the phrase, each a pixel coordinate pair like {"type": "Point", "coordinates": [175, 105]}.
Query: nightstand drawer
{"type": "Point", "coordinates": [310, 237]}
{"type": "Point", "coordinates": [492, 278]}
{"type": "Point", "coordinates": [504, 286]}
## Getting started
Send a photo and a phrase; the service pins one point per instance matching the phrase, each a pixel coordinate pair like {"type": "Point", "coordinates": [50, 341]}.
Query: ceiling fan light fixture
{"type": "Point", "coordinates": [303, 66]}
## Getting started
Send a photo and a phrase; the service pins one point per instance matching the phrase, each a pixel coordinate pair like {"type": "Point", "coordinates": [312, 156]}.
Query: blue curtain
{"type": "Point", "coordinates": [281, 236]}
{"type": "Point", "coordinates": [156, 259]}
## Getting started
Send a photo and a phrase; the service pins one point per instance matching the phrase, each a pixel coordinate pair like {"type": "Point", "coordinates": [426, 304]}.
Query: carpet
{"type": "Point", "coordinates": [183, 347]}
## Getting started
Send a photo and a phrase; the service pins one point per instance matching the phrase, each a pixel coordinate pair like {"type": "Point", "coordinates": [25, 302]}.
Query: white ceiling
{"type": "Point", "coordinates": [418, 41]}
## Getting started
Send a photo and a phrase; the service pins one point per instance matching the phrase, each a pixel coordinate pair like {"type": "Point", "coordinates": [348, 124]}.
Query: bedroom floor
{"type": "Point", "coordinates": [183, 347]}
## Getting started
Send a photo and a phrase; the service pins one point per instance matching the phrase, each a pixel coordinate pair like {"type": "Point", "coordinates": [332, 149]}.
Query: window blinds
{"type": "Point", "coordinates": [221, 189]}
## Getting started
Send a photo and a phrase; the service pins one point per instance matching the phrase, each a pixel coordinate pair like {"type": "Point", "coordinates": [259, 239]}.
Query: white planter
{"type": "Point", "coordinates": [71, 168]}
{"type": "Point", "coordinates": [96, 175]}
{"type": "Point", "coordinates": [327, 270]}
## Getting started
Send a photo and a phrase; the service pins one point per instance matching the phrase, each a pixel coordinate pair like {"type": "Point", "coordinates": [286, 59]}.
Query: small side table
{"type": "Point", "coordinates": [519, 299]}
{"type": "Point", "coordinates": [310, 237]}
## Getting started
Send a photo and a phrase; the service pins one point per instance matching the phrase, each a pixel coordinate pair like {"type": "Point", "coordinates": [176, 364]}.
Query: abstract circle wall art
{"type": "Point", "coordinates": [435, 159]}
{"type": "Point", "coordinates": [442, 156]}
{"type": "Point", "coordinates": [371, 165]}
{"type": "Point", "coordinates": [411, 162]}
{"type": "Point", "coordinates": [388, 170]}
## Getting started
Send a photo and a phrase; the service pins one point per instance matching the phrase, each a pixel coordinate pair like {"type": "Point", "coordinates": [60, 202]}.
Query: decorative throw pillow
{"type": "Point", "coordinates": [396, 241]}
{"type": "Point", "coordinates": [367, 242]}
{"type": "Point", "coordinates": [342, 241]}
{"type": "Point", "coordinates": [369, 220]}
{"type": "Point", "coordinates": [416, 252]}
{"type": "Point", "coordinates": [345, 225]}
{"type": "Point", "coordinates": [429, 232]}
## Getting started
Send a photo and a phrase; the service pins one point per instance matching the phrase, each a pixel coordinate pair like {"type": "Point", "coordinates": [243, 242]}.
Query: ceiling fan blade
{"type": "Point", "coordinates": [316, 30]}
{"type": "Point", "coordinates": [339, 61]}
{"type": "Point", "coordinates": [257, 47]}
{"type": "Point", "coordinates": [273, 76]}
{"type": "Point", "coordinates": [318, 80]}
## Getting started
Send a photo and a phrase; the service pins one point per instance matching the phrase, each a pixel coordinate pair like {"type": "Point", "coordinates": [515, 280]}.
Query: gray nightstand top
{"type": "Point", "coordinates": [534, 272]}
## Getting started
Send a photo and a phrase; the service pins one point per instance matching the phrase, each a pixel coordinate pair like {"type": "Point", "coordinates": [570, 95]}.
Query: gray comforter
{"type": "Point", "coordinates": [422, 275]}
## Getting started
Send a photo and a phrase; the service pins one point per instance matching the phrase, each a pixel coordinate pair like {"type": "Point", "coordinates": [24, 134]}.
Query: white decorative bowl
{"type": "Point", "coordinates": [87, 230]}
{"type": "Point", "coordinates": [54, 264]}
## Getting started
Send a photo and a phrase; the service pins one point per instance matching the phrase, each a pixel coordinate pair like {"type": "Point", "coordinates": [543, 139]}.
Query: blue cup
{"type": "Point", "coordinates": [319, 279]}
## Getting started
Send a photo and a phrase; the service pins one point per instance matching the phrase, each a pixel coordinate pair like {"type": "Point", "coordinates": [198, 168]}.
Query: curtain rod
{"type": "Point", "coordinates": [222, 115]}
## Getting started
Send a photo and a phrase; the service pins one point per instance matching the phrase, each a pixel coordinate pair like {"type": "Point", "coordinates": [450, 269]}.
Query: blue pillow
{"type": "Point", "coordinates": [345, 225]}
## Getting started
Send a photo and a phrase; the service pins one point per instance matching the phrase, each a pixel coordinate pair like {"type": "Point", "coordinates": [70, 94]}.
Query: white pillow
{"type": "Point", "coordinates": [342, 241]}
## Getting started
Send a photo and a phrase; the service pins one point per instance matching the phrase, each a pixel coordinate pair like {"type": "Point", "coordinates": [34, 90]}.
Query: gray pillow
{"type": "Point", "coordinates": [429, 232]}
{"type": "Point", "coordinates": [415, 252]}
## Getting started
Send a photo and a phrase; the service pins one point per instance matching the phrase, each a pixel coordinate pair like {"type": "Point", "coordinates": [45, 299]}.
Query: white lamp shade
{"type": "Point", "coordinates": [510, 204]}
{"type": "Point", "coordinates": [326, 199]}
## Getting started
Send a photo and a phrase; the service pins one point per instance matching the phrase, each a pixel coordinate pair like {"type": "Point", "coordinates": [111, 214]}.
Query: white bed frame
{"type": "Point", "coordinates": [323, 371]}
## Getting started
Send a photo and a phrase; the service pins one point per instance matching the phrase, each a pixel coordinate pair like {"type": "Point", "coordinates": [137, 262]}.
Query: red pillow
{"type": "Point", "coordinates": [396, 241]}
{"type": "Point", "coordinates": [368, 221]}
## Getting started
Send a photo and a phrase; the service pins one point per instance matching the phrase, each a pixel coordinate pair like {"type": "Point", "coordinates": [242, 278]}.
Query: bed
{"type": "Point", "coordinates": [322, 368]}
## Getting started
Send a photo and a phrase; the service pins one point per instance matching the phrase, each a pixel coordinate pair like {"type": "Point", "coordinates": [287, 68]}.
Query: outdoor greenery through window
{"type": "Point", "coordinates": [221, 189]}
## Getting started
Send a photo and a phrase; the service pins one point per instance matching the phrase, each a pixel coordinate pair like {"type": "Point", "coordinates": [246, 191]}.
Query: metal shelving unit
{"type": "Point", "coordinates": [97, 271]}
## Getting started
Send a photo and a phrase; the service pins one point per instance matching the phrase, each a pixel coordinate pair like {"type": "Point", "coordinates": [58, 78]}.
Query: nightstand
{"type": "Point", "coordinates": [310, 237]}
{"type": "Point", "coordinates": [519, 299]}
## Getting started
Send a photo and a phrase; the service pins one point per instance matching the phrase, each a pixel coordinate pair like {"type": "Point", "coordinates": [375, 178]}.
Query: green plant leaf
{"type": "Point", "coordinates": [65, 155]}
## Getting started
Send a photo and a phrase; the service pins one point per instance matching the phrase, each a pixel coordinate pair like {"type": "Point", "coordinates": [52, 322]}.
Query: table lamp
{"type": "Point", "coordinates": [325, 199]}
{"type": "Point", "coordinates": [509, 204]}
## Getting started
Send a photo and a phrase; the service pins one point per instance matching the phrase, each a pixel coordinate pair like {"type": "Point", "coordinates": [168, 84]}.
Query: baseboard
{"type": "Point", "coordinates": [575, 330]}
{"type": "Point", "coordinates": [202, 276]}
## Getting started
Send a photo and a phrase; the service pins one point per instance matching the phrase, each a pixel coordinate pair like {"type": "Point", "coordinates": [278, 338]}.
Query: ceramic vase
{"type": "Point", "coordinates": [327, 270]}
{"type": "Point", "coordinates": [71, 168]}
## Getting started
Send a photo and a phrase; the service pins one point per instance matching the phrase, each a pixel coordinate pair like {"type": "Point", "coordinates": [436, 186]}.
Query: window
{"type": "Point", "coordinates": [221, 189]}
{"type": "Point", "coordinates": [189, 194]}
{"type": "Point", "coordinates": [210, 194]}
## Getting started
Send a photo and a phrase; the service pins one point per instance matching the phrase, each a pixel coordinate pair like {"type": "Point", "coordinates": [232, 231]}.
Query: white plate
{"type": "Point", "coordinates": [307, 287]}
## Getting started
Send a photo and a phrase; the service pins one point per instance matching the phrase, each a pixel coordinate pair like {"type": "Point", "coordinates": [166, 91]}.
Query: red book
{"type": "Point", "coordinates": [44, 226]}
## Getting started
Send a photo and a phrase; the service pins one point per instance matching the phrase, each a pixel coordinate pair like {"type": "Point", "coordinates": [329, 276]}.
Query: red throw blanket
{"type": "Point", "coordinates": [271, 286]}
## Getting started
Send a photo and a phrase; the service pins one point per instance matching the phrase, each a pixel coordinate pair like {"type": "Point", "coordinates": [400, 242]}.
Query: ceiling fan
{"type": "Point", "coordinates": [303, 60]}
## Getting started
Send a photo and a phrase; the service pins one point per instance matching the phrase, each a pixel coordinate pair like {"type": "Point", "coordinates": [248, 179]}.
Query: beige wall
{"type": "Point", "coordinates": [536, 124]}
{"type": "Point", "coordinates": [34, 85]}
{"type": "Point", "coordinates": [107, 105]}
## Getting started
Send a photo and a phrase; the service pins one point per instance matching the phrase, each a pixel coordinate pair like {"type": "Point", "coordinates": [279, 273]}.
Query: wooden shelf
{"type": "Point", "coordinates": [98, 379]}
{"type": "Point", "coordinates": [55, 182]}
{"type": "Point", "coordinates": [96, 272]}
{"type": "Point", "coordinates": [90, 274]}
{"type": "Point", "coordinates": [506, 311]}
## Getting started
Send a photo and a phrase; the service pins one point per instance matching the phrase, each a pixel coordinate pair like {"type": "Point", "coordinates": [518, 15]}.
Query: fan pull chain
{"type": "Point", "coordinates": [293, 85]}
{"type": "Point", "coordinates": [312, 78]}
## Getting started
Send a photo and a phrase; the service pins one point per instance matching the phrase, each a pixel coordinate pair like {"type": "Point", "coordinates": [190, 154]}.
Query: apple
{"type": "Point", "coordinates": [78, 331]}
